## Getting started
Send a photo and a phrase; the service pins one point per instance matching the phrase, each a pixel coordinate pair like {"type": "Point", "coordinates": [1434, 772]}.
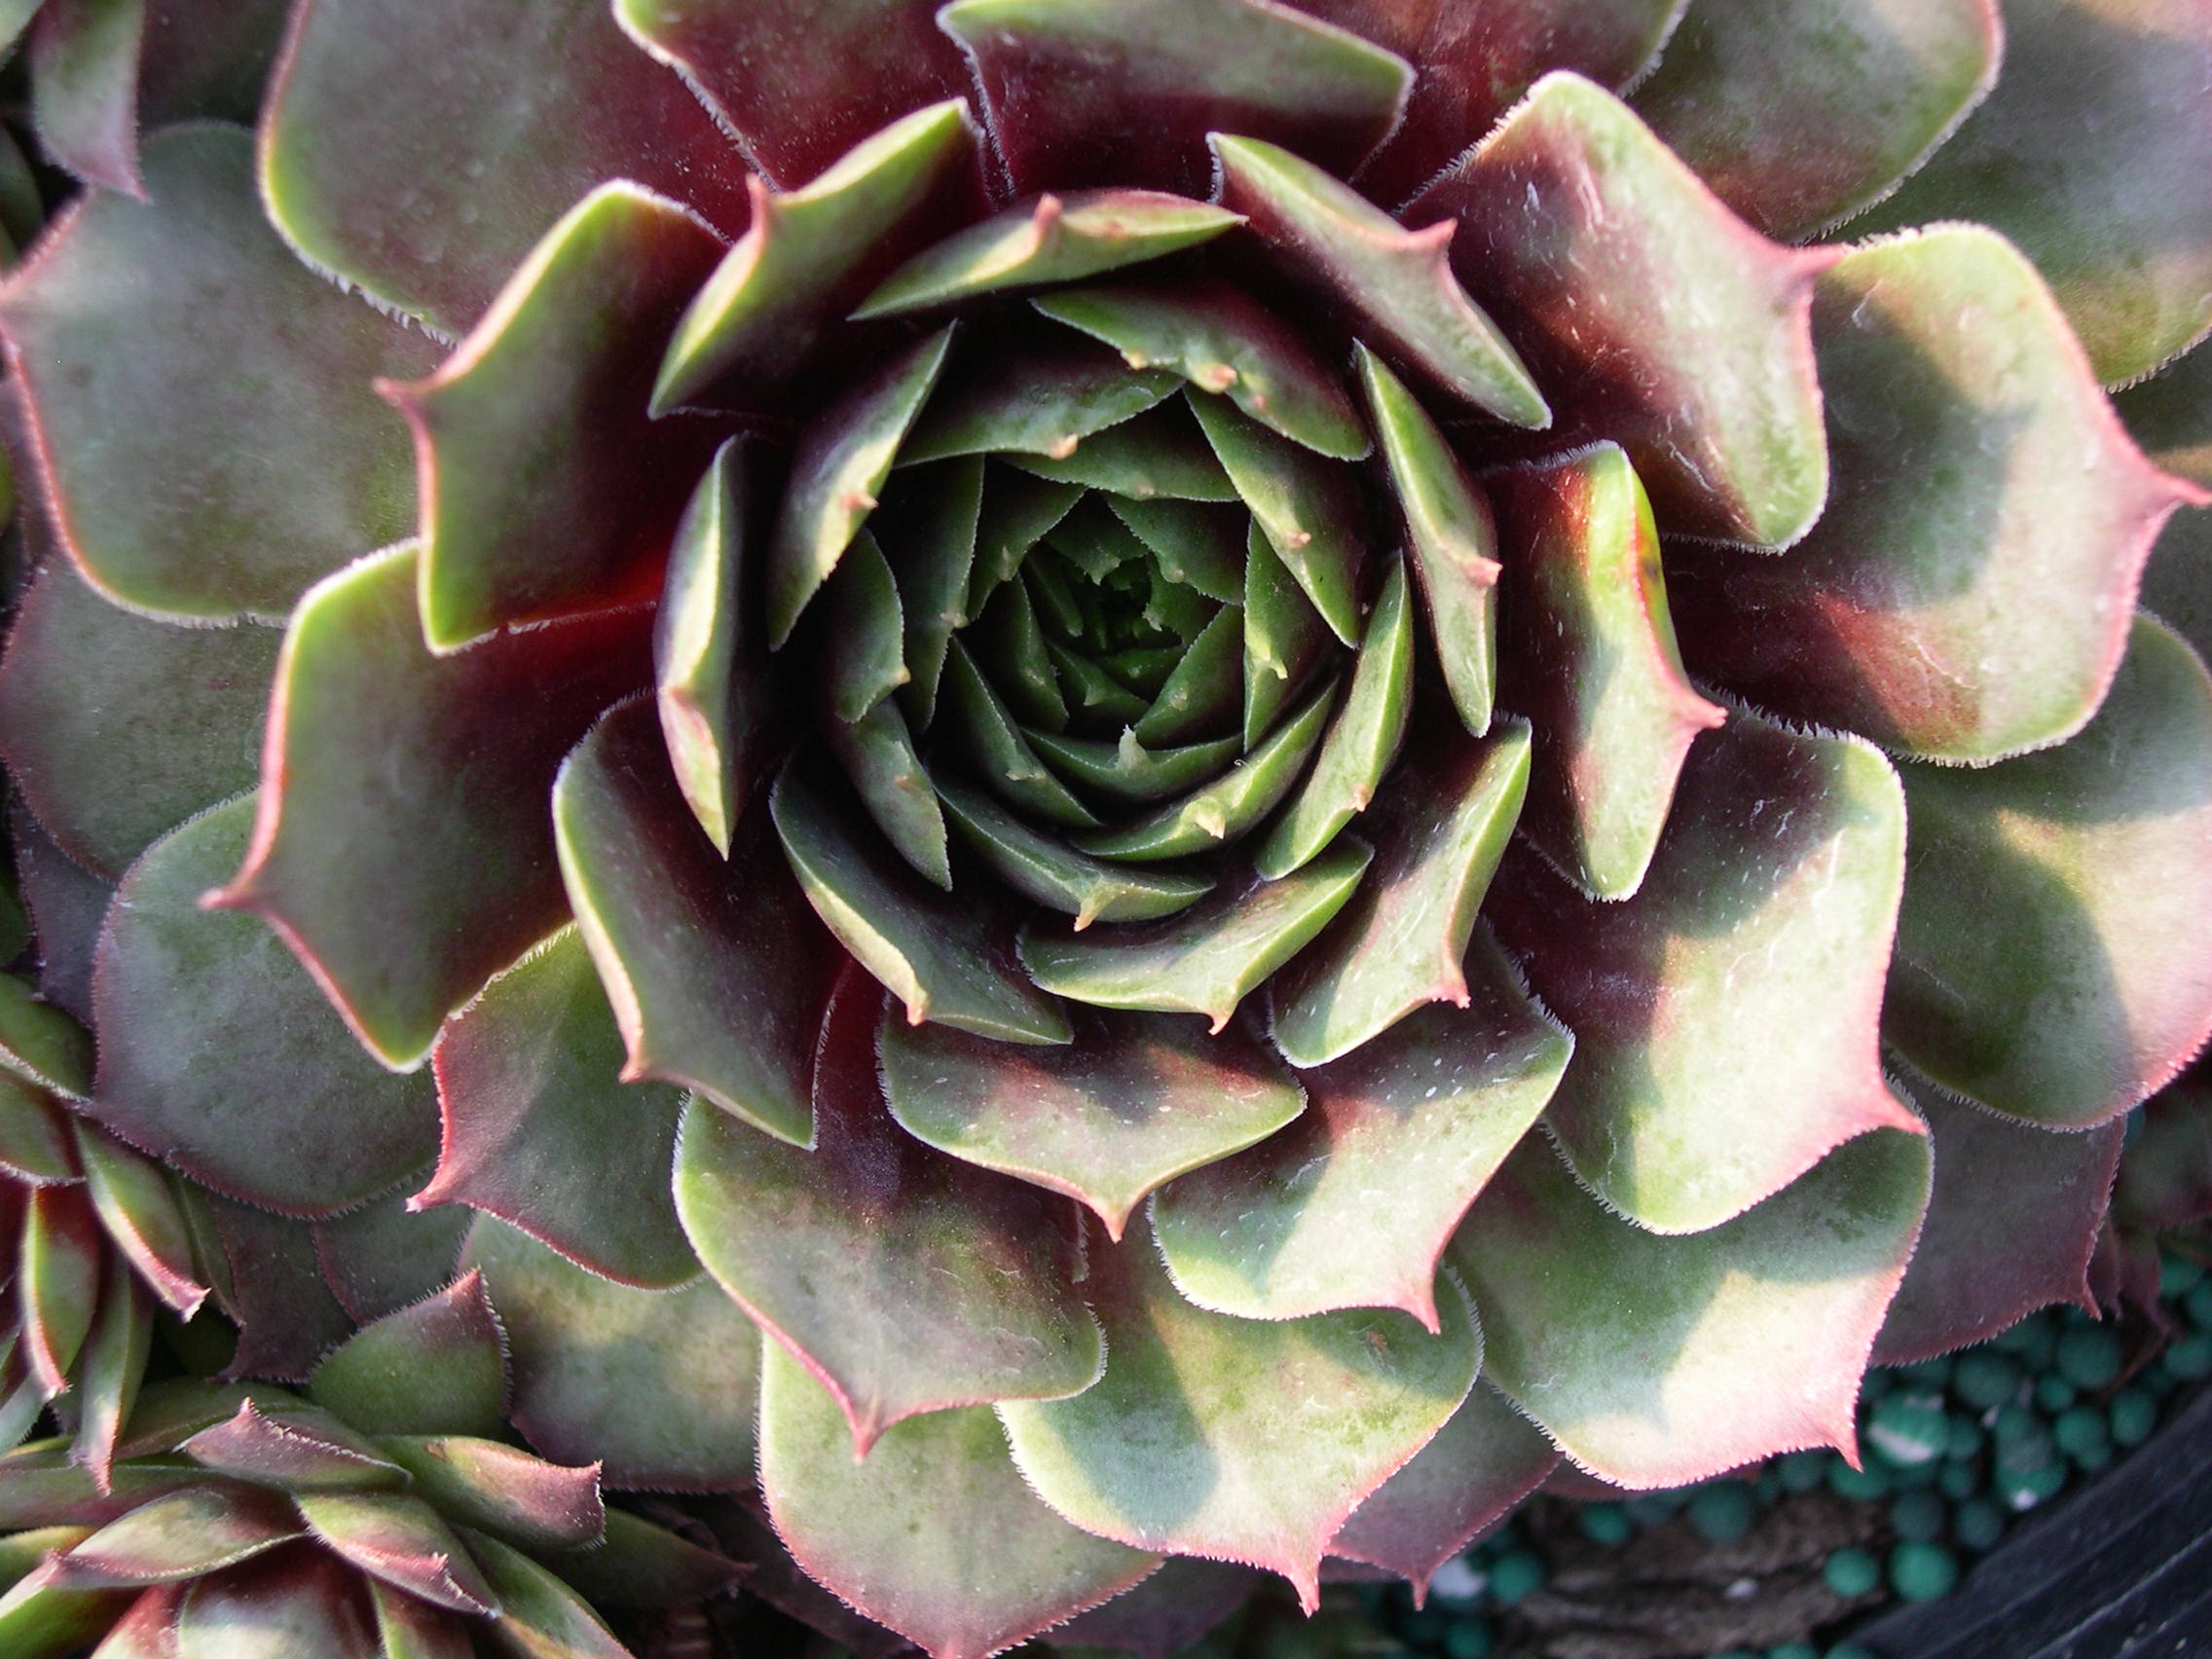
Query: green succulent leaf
{"type": "Point", "coordinates": [380, 1257]}
{"type": "Point", "coordinates": [1284, 637]}
{"type": "Point", "coordinates": [289, 1604]}
{"type": "Point", "coordinates": [41, 1045]}
{"type": "Point", "coordinates": [497, 1489]}
{"type": "Point", "coordinates": [41, 1618]}
{"type": "Point", "coordinates": [984, 730]}
{"type": "Point", "coordinates": [1159, 454]}
{"type": "Point", "coordinates": [1592, 661]}
{"type": "Point", "coordinates": [1050, 872]}
{"type": "Point", "coordinates": [403, 1541]}
{"type": "Point", "coordinates": [1128, 771]}
{"type": "Point", "coordinates": [545, 487]}
{"type": "Point", "coordinates": [879, 757]}
{"type": "Point", "coordinates": [275, 469]}
{"type": "Point", "coordinates": [2097, 989]}
{"type": "Point", "coordinates": [141, 1217]}
{"type": "Point", "coordinates": [907, 1281]}
{"type": "Point", "coordinates": [1650, 314]}
{"type": "Point", "coordinates": [109, 1370]}
{"type": "Point", "coordinates": [408, 1629]}
{"type": "Point", "coordinates": [1006, 1569]}
{"type": "Point", "coordinates": [1204, 692]}
{"type": "Point", "coordinates": [1019, 511]}
{"type": "Point", "coordinates": [1427, 1111]}
{"type": "Point", "coordinates": [930, 534]}
{"type": "Point", "coordinates": [298, 1448]}
{"type": "Point", "coordinates": [363, 718]}
{"type": "Point", "coordinates": [865, 653]}
{"type": "Point", "coordinates": [1041, 397]}
{"type": "Point", "coordinates": [1135, 1100]}
{"type": "Point", "coordinates": [1305, 504]}
{"type": "Point", "coordinates": [436, 1366]}
{"type": "Point", "coordinates": [541, 1131]}
{"type": "Point", "coordinates": [638, 1565]}
{"type": "Point", "coordinates": [85, 88]}
{"type": "Point", "coordinates": [182, 1535]}
{"type": "Point", "coordinates": [1401, 942]}
{"type": "Point", "coordinates": [540, 1617]}
{"type": "Point", "coordinates": [656, 1387]}
{"type": "Point", "coordinates": [1200, 547]}
{"type": "Point", "coordinates": [36, 1147]}
{"type": "Point", "coordinates": [1725, 1018]}
{"type": "Point", "coordinates": [1241, 1439]}
{"type": "Point", "coordinates": [1655, 1360]}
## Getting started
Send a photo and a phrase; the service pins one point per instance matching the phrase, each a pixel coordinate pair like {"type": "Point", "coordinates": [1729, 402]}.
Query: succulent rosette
{"type": "Point", "coordinates": [984, 705]}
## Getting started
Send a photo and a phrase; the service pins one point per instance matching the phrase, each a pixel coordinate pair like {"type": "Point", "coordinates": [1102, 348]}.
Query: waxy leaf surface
{"type": "Point", "coordinates": [436, 1367]}
{"type": "Point", "coordinates": [84, 83]}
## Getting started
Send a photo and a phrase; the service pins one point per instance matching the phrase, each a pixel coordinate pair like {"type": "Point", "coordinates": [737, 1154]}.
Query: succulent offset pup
{"type": "Point", "coordinates": [945, 725]}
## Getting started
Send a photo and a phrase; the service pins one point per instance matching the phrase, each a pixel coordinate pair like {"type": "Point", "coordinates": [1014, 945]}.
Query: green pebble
{"type": "Point", "coordinates": [2054, 1393]}
{"type": "Point", "coordinates": [1768, 1487]}
{"type": "Point", "coordinates": [1852, 1572]}
{"type": "Point", "coordinates": [1653, 1507]}
{"type": "Point", "coordinates": [1977, 1524]}
{"type": "Point", "coordinates": [1962, 1439]}
{"type": "Point", "coordinates": [1803, 1471]}
{"type": "Point", "coordinates": [1958, 1480]}
{"type": "Point", "coordinates": [2034, 1339]}
{"type": "Point", "coordinates": [1468, 1638]}
{"type": "Point", "coordinates": [2131, 1417]}
{"type": "Point", "coordinates": [2090, 1357]}
{"type": "Point", "coordinates": [1874, 1384]}
{"type": "Point", "coordinates": [1606, 1524]}
{"type": "Point", "coordinates": [1921, 1572]}
{"type": "Point", "coordinates": [1793, 1650]}
{"type": "Point", "coordinates": [2080, 1433]}
{"type": "Point", "coordinates": [1985, 1378]}
{"type": "Point", "coordinates": [1861, 1484]}
{"type": "Point", "coordinates": [1908, 1428]}
{"type": "Point", "coordinates": [2190, 1358]}
{"type": "Point", "coordinates": [1428, 1625]}
{"type": "Point", "coordinates": [1515, 1576]}
{"type": "Point", "coordinates": [2177, 1274]}
{"type": "Point", "coordinates": [1723, 1512]}
{"type": "Point", "coordinates": [1918, 1517]}
{"type": "Point", "coordinates": [2197, 1305]}
{"type": "Point", "coordinates": [1932, 1373]}
{"type": "Point", "coordinates": [1917, 1478]}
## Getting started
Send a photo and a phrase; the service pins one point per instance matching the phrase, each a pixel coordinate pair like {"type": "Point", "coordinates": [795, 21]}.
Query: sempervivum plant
{"type": "Point", "coordinates": [980, 705]}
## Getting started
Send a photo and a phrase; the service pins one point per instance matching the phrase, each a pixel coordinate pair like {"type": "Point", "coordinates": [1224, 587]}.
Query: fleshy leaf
{"type": "Point", "coordinates": [42, 1044]}
{"type": "Point", "coordinates": [2013, 1222]}
{"type": "Point", "coordinates": [640, 1565]}
{"type": "Point", "coordinates": [1126, 770]}
{"type": "Point", "coordinates": [383, 1256]}
{"type": "Point", "coordinates": [546, 490]}
{"type": "Point", "coordinates": [716, 968]}
{"type": "Point", "coordinates": [1050, 872]}
{"type": "Point", "coordinates": [1966, 594]}
{"type": "Point", "coordinates": [2170, 415]}
{"type": "Point", "coordinates": [36, 1147]}
{"type": "Point", "coordinates": [539, 1616]}
{"type": "Point", "coordinates": [1477, 1468]}
{"type": "Point", "coordinates": [2099, 856]}
{"type": "Point", "coordinates": [141, 1218]}
{"type": "Point", "coordinates": [541, 1131]}
{"type": "Point", "coordinates": [56, 1282]}
{"type": "Point", "coordinates": [66, 903]}
{"type": "Point", "coordinates": [401, 1541]}
{"type": "Point", "coordinates": [1649, 312]}
{"type": "Point", "coordinates": [222, 1056]}
{"type": "Point", "coordinates": [841, 461]}
{"type": "Point", "coordinates": [2113, 205]}
{"type": "Point", "coordinates": [275, 468]}
{"type": "Point", "coordinates": [434, 1368]}
{"type": "Point", "coordinates": [1589, 656]}
{"type": "Point", "coordinates": [1135, 1100]}
{"type": "Point", "coordinates": [184, 1534]}
{"type": "Point", "coordinates": [2165, 1176]}
{"type": "Point", "coordinates": [408, 1629]}
{"type": "Point", "coordinates": [1205, 691]}
{"type": "Point", "coordinates": [84, 84]}
{"type": "Point", "coordinates": [1054, 239]}
{"type": "Point", "coordinates": [1005, 1570]}
{"type": "Point", "coordinates": [295, 1602]}
{"type": "Point", "coordinates": [983, 729]}
{"type": "Point", "coordinates": [497, 1489]}
{"type": "Point", "coordinates": [1802, 114]}
{"type": "Point", "coordinates": [1426, 1112]}
{"type": "Point", "coordinates": [1654, 1361]}
{"type": "Point", "coordinates": [1170, 1611]}
{"type": "Point", "coordinates": [1237, 1438]}
{"type": "Point", "coordinates": [1205, 960]}
{"type": "Point", "coordinates": [1306, 504]}
{"type": "Point", "coordinates": [943, 957]}
{"type": "Point", "coordinates": [428, 217]}
{"type": "Point", "coordinates": [1223, 342]}
{"type": "Point", "coordinates": [1041, 397]}
{"type": "Point", "coordinates": [929, 537]}
{"type": "Point", "coordinates": [842, 70]}
{"type": "Point", "coordinates": [1439, 830]}
{"type": "Point", "coordinates": [1158, 454]}
{"type": "Point", "coordinates": [267, 1277]}
{"type": "Point", "coordinates": [1081, 97]}
{"type": "Point", "coordinates": [1200, 547]}
{"type": "Point", "coordinates": [782, 292]}
{"type": "Point", "coordinates": [1284, 637]}
{"type": "Point", "coordinates": [295, 1450]}
{"type": "Point", "coordinates": [1726, 1016]}
{"type": "Point", "coordinates": [878, 755]}
{"type": "Point", "coordinates": [865, 650]}
{"type": "Point", "coordinates": [403, 857]}
{"type": "Point", "coordinates": [907, 1281]}
{"type": "Point", "coordinates": [1398, 283]}
{"type": "Point", "coordinates": [658, 1387]}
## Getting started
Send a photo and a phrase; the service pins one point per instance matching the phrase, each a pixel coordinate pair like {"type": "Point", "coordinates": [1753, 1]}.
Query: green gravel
{"type": "Point", "coordinates": [1606, 1524]}
{"type": "Point", "coordinates": [1852, 1572]}
{"type": "Point", "coordinates": [1724, 1513]}
{"type": "Point", "coordinates": [1977, 1524]}
{"type": "Point", "coordinates": [2131, 1417]}
{"type": "Point", "coordinates": [1986, 1378]}
{"type": "Point", "coordinates": [1922, 1571]}
{"type": "Point", "coordinates": [2090, 1356]}
{"type": "Point", "coordinates": [1515, 1575]}
{"type": "Point", "coordinates": [1919, 1516]}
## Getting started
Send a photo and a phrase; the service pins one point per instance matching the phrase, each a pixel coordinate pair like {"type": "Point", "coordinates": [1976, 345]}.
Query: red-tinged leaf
{"type": "Point", "coordinates": [1654, 1361]}
{"type": "Point", "coordinates": [428, 217]}
{"type": "Point", "coordinates": [2088, 155]}
{"type": "Point", "coordinates": [906, 1280]}
{"type": "Point", "coordinates": [1805, 113]}
{"type": "Point", "coordinates": [1966, 594]}
{"type": "Point", "coordinates": [36, 1146]}
{"type": "Point", "coordinates": [58, 1279]}
{"type": "Point", "coordinates": [141, 1217]}
{"type": "Point", "coordinates": [289, 1604]}
{"type": "Point", "coordinates": [299, 1449]}
{"type": "Point", "coordinates": [1726, 1016]}
{"type": "Point", "coordinates": [148, 1629]}
{"type": "Point", "coordinates": [640, 1565]}
{"type": "Point", "coordinates": [1006, 1568]}
{"type": "Point", "coordinates": [176, 722]}
{"type": "Point", "coordinates": [409, 1629]}
{"type": "Point", "coordinates": [717, 968]}
{"type": "Point", "coordinates": [1425, 1113]}
{"type": "Point", "coordinates": [540, 1617]}
{"type": "Point", "coordinates": [267, 1280]}
{"type": "Point", "coordinates": [1134, 1100]}
{"type": "Point", "coordinates": [1080, 96]}
{"type": "Point", "coordinates": [546, 488]}
{"type": "Point", "coordinates": [380, 1257]}
{"type": "Point", "coordinates": [1648, 312]}
{"type": "Point", "coordinates": [110, 1370]}
{"type": "Point", "coordinates": [405, 855]}
{"type": "Point", "coordinates": [40, 1045]}
{"type": "Point", "coordinates": [66, 903]}
{"type": "Point", "coordinates": [541, 1131]}
{"type": "Point", "coordinates": [170, 1411]}
{"type": "Point", "coordinates": [1165, 1614]}
{"type": "Point", "coordinates": [843, 69]}
{"type": "Point", "coordinates": [742, 1527]}
{"type": "Point", "coordinates": [438, 1367]}
{"type": "Point", "coordinates": [2096, 986]}
{"type": "Point", "coordinates": [84, 62]}
{"type": "Point", "coordinates": [207, 59]}
{"type": "Point", "coordinates": [2166, 1174]}
{"type": "Point", "coordinates": [1589, 656]}
{"type": "Point", "coordinates": [2012, 1223]}
{"type": "Point", "coordinates": [1475, 60]}
{"type": "Point", "coordinates": [185, 1534]}
{"type": "Point", "coordinates": [177, 344]}
{"type": "Point", "coordinates": [223, 1059]}
{"type": "Point", "coordinates": [1239, 1439]}
{"type": "Point", "coordinates": [656, 1387]}
{"type": "Point", "coordinates": [400, 1540]}
{"type": "Point", "coordinates": [2170, 415]}
{"type": "Point", "coordinates": [1475, 1472]}
{"type": "Point", "coordinates": [39, 1487]}
{"type": "Point", "coordinates": [500, 1488]}
{"type": "Point", "coordinates": [40, 1618]}
{"type": "Point", "coordinates": [2177, 585]}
